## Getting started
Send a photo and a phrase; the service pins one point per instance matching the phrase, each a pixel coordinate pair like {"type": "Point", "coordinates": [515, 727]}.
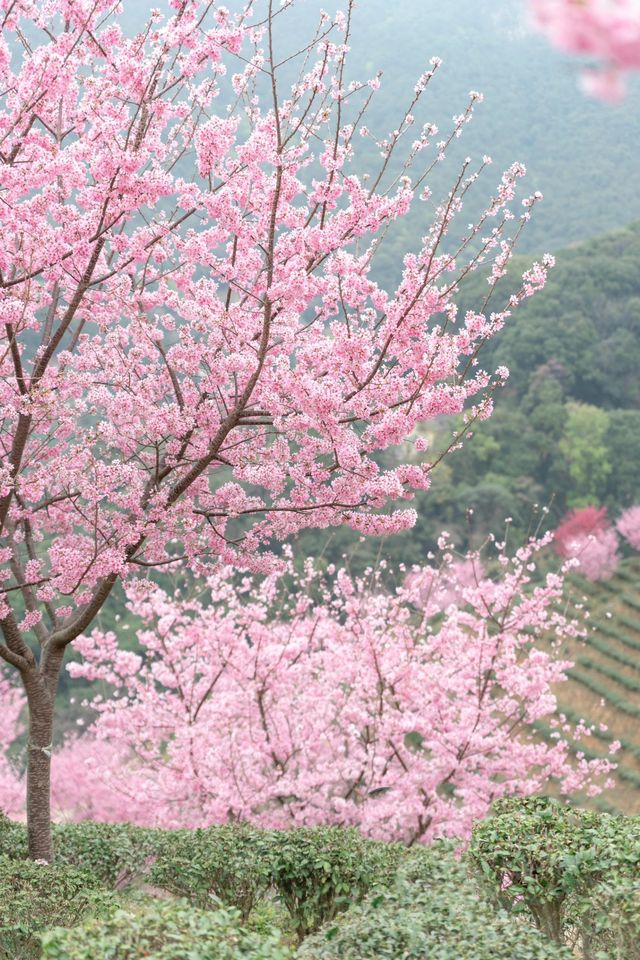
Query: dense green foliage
{"type": "Point", "coordinates": [35, 896]}
{"type": "Point", "coordinates": [316, 873]}
{"type": "Point", "coordinates": [433, 912]}
{"type": "Point", "coordinates": [541, 879]}
{"type": "Point", "coordinates": [615, 917]}
{"type": "Point", "coordinates": [115, 853]}
{"type": "Point", "coordinates": [13, 839]}
{"type": "Point", "coordinates": [222, 863]}
{"type": "Point", "coordinates": [164, 931]}
{"type": "Point", "coordinates": [566, 429]}
{"type": "Point", "coordinates": [549, 860]}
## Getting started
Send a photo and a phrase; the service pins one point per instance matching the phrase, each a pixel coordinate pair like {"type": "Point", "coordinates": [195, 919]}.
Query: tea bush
{"type": "Point", "coordinates": [13, 838]}
{"type": "Point", "coordinates": [225, 862]}
{"type": "Point", "coordinates": [545, 859]}
{"type": "Point", "coordinates": [34, 896]}
{"type": "Point", "coordinates": [165, 931]}
{"type": "Point", "coordinates": [432, 912]}
{"type": "Point", "coordinates": [614, 921]}
{"type": "Point", "coordinates": [114, 852]}
{"type": "Point", "coordinates": [318, 872]}
{"type": "Point", "coordinates": [315, 872]}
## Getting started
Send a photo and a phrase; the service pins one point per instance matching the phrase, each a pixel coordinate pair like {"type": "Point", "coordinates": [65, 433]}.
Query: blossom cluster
{"type": "Point", "coordinates": [198, 358]}
{"type": "Point", "coordinates": [340, 701]}
{"type": "Point", "coordinates": [605, 30]}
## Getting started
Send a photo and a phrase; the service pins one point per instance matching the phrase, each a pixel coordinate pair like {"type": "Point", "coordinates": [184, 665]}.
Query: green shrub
{"type": "Point", "coordinates": [164, 931]}
{"type": "Point", "coordinates": [544, 858]}
{"type": "Point", "coordinates": [432, 912]}
{"type": "Point", "coordinates": [613, 921]}
{"type": "Point", "coordinates": [316, 872]}
{"type": "Point", "coordinates": [34, 896]}
{"type": "Point", "coordinates": [434, 866]}
{"type": "Point", "coordinates": [319, 871]}
{"type": "Point", "coordinates": [227, 863]}
{"type": "Point", "coordinates": [114, 852]}
{"type": "Point", "coordinates": [13, 839]}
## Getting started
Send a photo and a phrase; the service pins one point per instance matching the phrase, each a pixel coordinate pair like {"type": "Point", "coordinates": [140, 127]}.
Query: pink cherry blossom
{"type": "Point", "coordinates": [199, 359]}
{"type": "Point", "coordinates": [607, 30]}
{"type": "Point", "coordinates": [628, 526]}
{"type": "Point", "coordinates": [11, 785]}
{"type": "Point", "coordinates": [353, 705]}
{"type": "Point", "coordinates": [586, 536]}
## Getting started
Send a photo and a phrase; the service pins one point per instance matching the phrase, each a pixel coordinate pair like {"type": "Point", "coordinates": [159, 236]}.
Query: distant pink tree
{"type": "Point", "coordinates": [339, 703]}
{"type": "Point", "coordinates": [197, 361]}
{"type": "Point", "coordinates": [607, 30]}
{"type": "Point", "coordinates": [580, 522]}
{"type": "Point", "coordinates": [586, 536]}
{"type": "Point", "coordinates": [628, 525]}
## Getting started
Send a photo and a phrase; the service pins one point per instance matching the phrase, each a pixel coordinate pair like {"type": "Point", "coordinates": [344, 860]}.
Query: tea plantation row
{"type": "Point", "coordinates": [540, 881]}
{"type": "Point", "coordinates": [604, 684]}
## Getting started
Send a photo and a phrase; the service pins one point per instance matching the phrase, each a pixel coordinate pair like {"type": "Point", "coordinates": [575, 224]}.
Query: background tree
{"type": "Point", "coordinates": [196, 361]}
{"type": "Point", "coordinates": [302, 700]}
{"type": "Point", "coordinates": [584, 449]}
{"type": "Point", "coordinates": [629, 526]}
{"type": "Point", "coordinates": [587, 537]}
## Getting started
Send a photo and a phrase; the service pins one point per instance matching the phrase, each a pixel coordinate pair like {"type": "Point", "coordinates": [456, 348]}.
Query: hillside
{"type": "Point", "coordinates": [604, 685]}
{"type": "Point", "coordinates": [533, 111]}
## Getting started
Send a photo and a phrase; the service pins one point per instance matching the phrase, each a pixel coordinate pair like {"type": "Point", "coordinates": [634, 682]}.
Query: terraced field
{"type": "Point", "coordinates": [604, 685]}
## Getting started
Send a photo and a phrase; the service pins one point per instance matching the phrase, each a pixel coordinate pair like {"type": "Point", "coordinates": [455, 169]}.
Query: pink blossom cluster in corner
{"type": "Point", "coordinates": [606, 30]}
{"type": "Point", "coordinates": [356, 707]}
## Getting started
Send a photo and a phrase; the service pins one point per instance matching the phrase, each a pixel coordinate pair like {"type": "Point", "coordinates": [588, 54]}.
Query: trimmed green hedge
{"type": "Point", "coordinates": [115, 853]}
{"type": "Point", "coordinates": [316, 872]}
{"type": "Point", "coordinates": [539, 875]}
{"type": "Point", "coordinates": [614, 919]}
{"type": "Point", "coordinates": [13, 839]}
{"type": "Point", "coordinates": [224, 863]}
{"type": "Point", "coordinates": [432, 912]}
{"type": "Point", "coordinates": [612, 673]}
{"type": "Point", "coordinates": [164, 931]}
{"type": "Point", "coordinates": [547, 860]}
{"type": "Point", "coordinates": [35, 896]}
{"type": "Point", "coordinates": [603, 690]}
{"type": "Point", "coordinates": [613, 633]}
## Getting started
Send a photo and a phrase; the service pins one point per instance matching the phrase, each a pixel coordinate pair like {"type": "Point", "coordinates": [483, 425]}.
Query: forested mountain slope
{"type": "Point", "coordinates": [582, 154]}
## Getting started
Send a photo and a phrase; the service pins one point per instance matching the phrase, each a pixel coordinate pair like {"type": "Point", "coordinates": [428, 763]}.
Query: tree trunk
{"type": "Point", "coordinates": [548, 916]}
{"type": "Point", "coordinates": [41, 687]}
{"type": "Point", "coordinates": [39, 781]}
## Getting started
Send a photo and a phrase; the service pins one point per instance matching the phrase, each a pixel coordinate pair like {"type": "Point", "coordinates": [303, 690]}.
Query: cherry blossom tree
{"type": "Point", "coordinates": [197, 359]}
{"type": "Point", "coordinates": [586, 536]}
{"type": "Point", "coordinates": [337, 700]}
{"type": "Point", "coordinates": [607, 30]}
{"type": "Point", "coordinates": [628, 526]}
